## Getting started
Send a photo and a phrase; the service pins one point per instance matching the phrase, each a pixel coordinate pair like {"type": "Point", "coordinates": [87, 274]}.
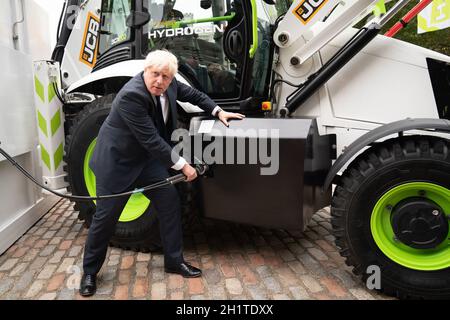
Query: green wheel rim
{"type": "Point", "coordinates": [136, 205]}
{"type": "Point", "coordinates": [380, 224]}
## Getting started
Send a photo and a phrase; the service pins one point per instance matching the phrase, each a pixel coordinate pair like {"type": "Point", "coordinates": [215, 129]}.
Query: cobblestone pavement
{"type": "Point", "coordinates": [238, 262]}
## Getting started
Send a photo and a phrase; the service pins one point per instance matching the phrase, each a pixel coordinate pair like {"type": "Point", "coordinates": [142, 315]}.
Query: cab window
{"type": "Point", "coordinates": [113, 23]}
{"type": "Point", "coordinates": [194, 31]}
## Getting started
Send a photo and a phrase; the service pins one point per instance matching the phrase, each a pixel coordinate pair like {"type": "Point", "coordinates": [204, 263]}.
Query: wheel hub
{"type": "Point", "coordinates": [419, 223]}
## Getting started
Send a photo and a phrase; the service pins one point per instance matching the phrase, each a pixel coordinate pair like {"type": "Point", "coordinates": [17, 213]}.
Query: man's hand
{"type": "Point", "coordinates": [224, 116]}
{"type": "Point", "coordinates": [189, 172]}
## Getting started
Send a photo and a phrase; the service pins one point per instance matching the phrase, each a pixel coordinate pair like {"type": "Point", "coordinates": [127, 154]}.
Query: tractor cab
{"type": "Point", "coordinates": [222, 49]}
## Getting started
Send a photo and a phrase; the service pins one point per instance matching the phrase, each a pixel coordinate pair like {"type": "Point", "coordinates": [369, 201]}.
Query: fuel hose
{"type": "Point", "coordinates": [200, 168]}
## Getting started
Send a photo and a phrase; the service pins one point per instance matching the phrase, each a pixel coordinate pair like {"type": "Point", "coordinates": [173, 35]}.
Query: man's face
{"type": "Point", "coordinates": [157, 79]}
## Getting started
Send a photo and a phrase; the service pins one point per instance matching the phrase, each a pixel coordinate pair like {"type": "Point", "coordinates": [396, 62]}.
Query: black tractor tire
{"type": "Point", "coordinates": [392, 163]}
{"type": "Point", "coordinates": [141, 234]}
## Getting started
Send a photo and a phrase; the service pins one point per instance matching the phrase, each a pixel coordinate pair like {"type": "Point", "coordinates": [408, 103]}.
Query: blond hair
{"type": "Point", "coordinates": [161, 59]}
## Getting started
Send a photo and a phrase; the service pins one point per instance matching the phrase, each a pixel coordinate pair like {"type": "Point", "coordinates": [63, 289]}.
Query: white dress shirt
{"type": "Point", "coordinates": [165, 112]}
{"type": "Point", "coordinates": [164, 106]}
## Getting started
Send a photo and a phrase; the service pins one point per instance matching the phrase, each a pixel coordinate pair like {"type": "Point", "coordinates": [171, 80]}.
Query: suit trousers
{"type": "Point", "coordinates": [164, 199]}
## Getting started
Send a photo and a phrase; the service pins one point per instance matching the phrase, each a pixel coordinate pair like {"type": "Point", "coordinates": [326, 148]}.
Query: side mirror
{"type": "Point", "coordinates": [137, 18]}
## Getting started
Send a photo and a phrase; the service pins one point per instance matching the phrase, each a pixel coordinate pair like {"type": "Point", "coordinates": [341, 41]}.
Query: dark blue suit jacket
{"type": "Point", "coordinates": [129, 138]}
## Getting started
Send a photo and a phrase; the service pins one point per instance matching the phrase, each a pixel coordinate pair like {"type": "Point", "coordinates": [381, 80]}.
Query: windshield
{"type": "Point", "coordinates": [193, 31]}
{"type": "Point", "coordinates": [114, 29]}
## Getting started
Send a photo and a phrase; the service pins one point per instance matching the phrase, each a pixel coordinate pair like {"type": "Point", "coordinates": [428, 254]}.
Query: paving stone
{"type": "Point", "coordinates": [258, 292]}
{"type": "Point", "coordinates": [306, 243]}
{"type": "Point", "coordinates": [218, 292]}
{"type": "Point", "coordinates": [143, 257]}
{"type": "Point", "coordinates": [127, 262]}
{"type": "Point", "coordinates": [5, 285]}
{"type": "Point", "coordinates": [287, 276]}
{"type": "Point", "coordinates": [176, 295]}
{"type": "Point", "coordinates": [47, 272]}
{"type": "Point", "coordinates": [299, 293]}
{"type": "Point", "coordinates": [346, 278]}
{"type": "Point", "coordinates": [56, 226]}
{"type": "Point", "coordinates": [316, 253]}
{"type": "Point", "coordinates": [286, 255]}
{"type": "Point", "coordinates": [256, 259]}
{"type": "Point", "coordinates": [57, 256]}
{"type": "Point", "coordinates": [227, 270]}
{"type": "Point", "coordinates": [281, 296]}
{"type": "Point", "coordinates": [238, 262]}
{"type": "Point", "coordinates": [234, 286]}
{"type": "Point", "coordinates": [105, 288]}
{"type": "Point", "coordinates": [48, 250]}
{"type": "Point", "coordinates": [71, 235]}
{"type": "Point", "coordinates": [75, 251]}
{"type": "Point", "coordinates": [67, 294]}
{"type": "Point", "coordinates": [175, 282]}
{"type": "Point", "coordinates": [8, 264]}
{"type": "Point", "coordinates": [272, 284]}
{"type": "Point", "coordinates": [66, 264]}
{"type": "Point", "coordinates": [264, 271]}
{"type": "Point", "coordinates": [158, 291]}
{"type": "Point", "coordinates": [48, 235]}
{"type": "Point", "coordinates": [212, 276]}
{"type": "Point", "coordinates": [334, 287]}
{"type": "Point", "coordinates": [124, 276]}
{"type": "Point", "coordinates": [140, 288]}
{"type": "Point", "coordinates": [24, 281]}
{"type": "Point", "coordinates": [141, 269]}
{"type": "Point", "coordinates": [20, 252]}
{"type": "Point", "coordinates": [311, 265]}
{"type": "Point", "coordinates": [35, 288]}
{"type": "Point", "coordinates": [38, 263]}
{"type": "Point", "coordinates": [62, 232]}
{"type": "Point", "coordinates": [55, 240]}
{"type": "Point", "coordinates": [297, 267]}
{"type": "Point", "coordinates": [121, 293]}
{"type": "Point", "coordinates": [56, 282]}
{"type": "Point", "coordinates": [248, 276]}
{"type": "Point", "coordinates": [195, 286]}
{"type": "Point", "coordinates": [157, 274]}
{"type": "Point", "coordinates": [361, 294]}
{"type": "Point", "coordinates": [48, 296]}
{"type": "Point", "coordinates": [19, 269]}
{"type": "Point", "coordinates": [311, 284]}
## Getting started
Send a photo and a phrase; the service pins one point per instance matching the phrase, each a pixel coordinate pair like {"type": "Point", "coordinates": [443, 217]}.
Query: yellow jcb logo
{"type": "Point", "coordinates": [88, 52]}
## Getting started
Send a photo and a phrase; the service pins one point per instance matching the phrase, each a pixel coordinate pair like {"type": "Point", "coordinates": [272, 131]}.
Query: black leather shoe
{"type": "Point", "coordinates": [186, 270]}
{"type": "Point", "coordinates": [88, 285]}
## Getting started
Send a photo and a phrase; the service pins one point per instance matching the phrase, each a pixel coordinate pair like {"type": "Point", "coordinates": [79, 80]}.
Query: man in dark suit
{"type": "Point", "coordinates": [133, 150]}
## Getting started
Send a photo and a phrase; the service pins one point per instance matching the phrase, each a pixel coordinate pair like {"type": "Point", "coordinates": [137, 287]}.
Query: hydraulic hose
{"type": "Point", "coordinates": [200, 168]}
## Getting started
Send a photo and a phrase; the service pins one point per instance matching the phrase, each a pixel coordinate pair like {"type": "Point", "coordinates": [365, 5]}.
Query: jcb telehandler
{"type": "Point", "coordinates": [326, 104]}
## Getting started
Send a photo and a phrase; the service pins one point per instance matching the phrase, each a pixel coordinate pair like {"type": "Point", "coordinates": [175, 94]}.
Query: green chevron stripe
{"type": "Point", "coordinates": [39, 88]}
{"type": "Point", "coordinates": [42, 123]}
{"type": "Point", "coordinates": [55, 123]}
{"type": "Point", "coordinates": [51, 91]}
{"type": "Point", "coordinates": [58, 156]}
{"type": "Point", "coordinates": [45, 157]}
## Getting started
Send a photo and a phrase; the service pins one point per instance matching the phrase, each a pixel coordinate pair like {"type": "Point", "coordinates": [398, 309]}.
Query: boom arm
{"type": "Point", "coordinates": [302, 33]}
{"type": "Point", "coordinates": [300, 21]}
